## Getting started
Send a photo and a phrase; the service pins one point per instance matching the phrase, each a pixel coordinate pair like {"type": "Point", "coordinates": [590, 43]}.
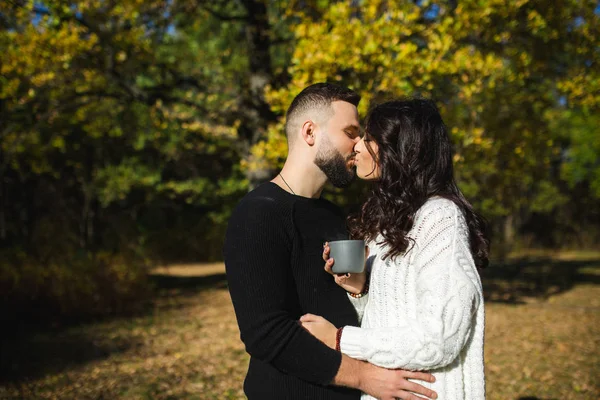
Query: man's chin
{"type": "Point", "coordinates": [345, 183]}
{"type": "Point", "coordinates": [337, 170]}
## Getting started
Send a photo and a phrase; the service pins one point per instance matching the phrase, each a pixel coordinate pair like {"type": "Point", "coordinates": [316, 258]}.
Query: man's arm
{"type": "Point", "coordinates": [384, 384]}
{"type": "Point", "coordinates": [257, 258]}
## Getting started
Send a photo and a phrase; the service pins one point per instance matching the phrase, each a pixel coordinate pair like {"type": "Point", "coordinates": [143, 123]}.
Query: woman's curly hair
{"type": "Point", "coordinates": [415, 159]}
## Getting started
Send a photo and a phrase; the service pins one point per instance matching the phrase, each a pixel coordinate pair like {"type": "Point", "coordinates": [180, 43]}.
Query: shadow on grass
{"type": "Point", "coordinates": [176, 292]}
{"type": "Point", "coordinates": [516, 280]}
{"type": "Point", "coordinates": [34, 348]}
{"type": "Point", "coordinates": [187, 284]}
{"type": "Point", "coordinates": [39, 354]}
{"type": "Point", "coordinates": [534, 398]}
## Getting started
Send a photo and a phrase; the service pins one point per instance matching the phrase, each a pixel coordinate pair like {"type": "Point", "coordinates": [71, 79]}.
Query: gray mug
{"type": "Point", "coordinates": [348, 256]}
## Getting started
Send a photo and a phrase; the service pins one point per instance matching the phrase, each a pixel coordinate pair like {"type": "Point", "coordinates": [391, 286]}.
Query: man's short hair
{"type": "Point", "coordinates": [318, 97]}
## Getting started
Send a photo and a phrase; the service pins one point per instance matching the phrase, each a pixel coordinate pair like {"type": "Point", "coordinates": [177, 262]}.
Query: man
{"type": "Point", "coordinates": [273, 249]}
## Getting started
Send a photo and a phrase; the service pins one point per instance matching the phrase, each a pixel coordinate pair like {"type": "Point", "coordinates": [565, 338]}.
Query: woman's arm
{"type": "Point", "coordinates": [360, 303]}
{"type": "Point", "coordinates": [446, 303]}
{"type": "Point", "coordinates": [355, 284]}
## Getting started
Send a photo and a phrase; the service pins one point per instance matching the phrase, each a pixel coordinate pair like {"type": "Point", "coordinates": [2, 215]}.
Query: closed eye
{"type": "Point", "coordinates": [352, 131]}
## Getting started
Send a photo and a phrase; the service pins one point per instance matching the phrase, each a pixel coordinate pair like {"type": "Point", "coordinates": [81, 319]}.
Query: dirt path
{"type": "Point", "coordinates": [188, 270]}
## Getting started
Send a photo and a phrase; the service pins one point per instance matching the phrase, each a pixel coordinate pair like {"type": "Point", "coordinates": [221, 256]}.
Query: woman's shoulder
{"type": "Point", "coordinates": [437, 207]}
{"type": "Point", "coordinates": [436, 215]}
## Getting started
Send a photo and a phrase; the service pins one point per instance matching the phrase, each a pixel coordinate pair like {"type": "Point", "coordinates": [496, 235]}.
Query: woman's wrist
{"type": "Point", "coordinates": [363, 292]}
{"type": "Point", "coordinates": [356, 289]}
{"type": "Point", "coordinates": [364, 288]}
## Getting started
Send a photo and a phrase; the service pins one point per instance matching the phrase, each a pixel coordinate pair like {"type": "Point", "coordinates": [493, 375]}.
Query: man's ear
{"type": "Point", "coordinates": [308, 132]}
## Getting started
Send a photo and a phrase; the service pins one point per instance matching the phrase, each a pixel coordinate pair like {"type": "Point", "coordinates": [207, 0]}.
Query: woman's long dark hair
{"type": "Point", "coordinates": [415, 159]}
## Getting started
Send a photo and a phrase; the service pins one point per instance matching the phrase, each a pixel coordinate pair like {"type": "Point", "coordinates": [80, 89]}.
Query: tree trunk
{"type": "Point", "coordinates": [258, 38]}
{"type": "Point", "coordinates": [84, 220]}
{"type": "Point", "coordinates": [259, 52]}
{"type": "Point", "coordinates": [508, 236]}
{"type": "Point", "coordinates": [2, 206]}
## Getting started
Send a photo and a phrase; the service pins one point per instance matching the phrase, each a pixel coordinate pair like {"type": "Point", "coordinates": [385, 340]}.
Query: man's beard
{"type": "Point", "coordinates": [334, 166]}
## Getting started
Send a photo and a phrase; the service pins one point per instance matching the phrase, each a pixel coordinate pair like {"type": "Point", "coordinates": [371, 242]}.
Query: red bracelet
{"type": "Point", "coordinates": [338, 338]}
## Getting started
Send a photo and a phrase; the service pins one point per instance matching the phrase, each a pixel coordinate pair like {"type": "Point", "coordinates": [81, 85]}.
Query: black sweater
{"type": "Point", "coordinates": [273, 249]}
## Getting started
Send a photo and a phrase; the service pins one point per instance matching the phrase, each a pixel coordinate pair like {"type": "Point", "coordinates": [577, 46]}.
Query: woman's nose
{"type": "Point", "coordinates": [356, 146]}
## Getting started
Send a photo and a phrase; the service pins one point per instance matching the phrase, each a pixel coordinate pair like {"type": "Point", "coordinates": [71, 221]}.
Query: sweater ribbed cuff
{"type": "Point", "coordinates": [359, 305]}
{"type": "Point", "coordinates": [360, 302]}
{"type": "Point", "coordinates": [351, 342]}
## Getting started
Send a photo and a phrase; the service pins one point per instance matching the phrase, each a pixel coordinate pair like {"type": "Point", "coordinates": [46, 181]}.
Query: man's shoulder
{"type": "Point", "coordinates": [331, 206]}
{"type": "Point", "coordinates": [265, 200]}
{"type": "Point", "coordinates": [262, 213]}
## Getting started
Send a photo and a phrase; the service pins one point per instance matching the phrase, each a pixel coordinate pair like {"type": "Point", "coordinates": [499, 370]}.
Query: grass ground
{"type": "Point", "coordinates": [542, 337]}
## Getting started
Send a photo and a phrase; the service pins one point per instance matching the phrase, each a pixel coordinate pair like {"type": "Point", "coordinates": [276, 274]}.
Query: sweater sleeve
{"type": "Point", "coordinates": [359, 305]}
{"type": "Point", "coordinates": [257, 254]}
{"type": "Point", "coordinates": [446, 300]}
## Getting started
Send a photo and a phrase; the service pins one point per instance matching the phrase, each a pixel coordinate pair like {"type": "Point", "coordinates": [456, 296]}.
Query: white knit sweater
{"type": "Point", "coordinates": [424, 310]}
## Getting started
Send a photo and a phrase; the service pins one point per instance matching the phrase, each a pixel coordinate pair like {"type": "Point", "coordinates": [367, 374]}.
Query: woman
{"type": "Point", "coordinates": [421, 308]}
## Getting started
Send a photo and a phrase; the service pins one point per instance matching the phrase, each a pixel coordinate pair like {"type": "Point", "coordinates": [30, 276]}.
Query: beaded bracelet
{"type": "Point", "coordinates": [364, 292]}
{"type": "Point", "coordinates": [338, 338]}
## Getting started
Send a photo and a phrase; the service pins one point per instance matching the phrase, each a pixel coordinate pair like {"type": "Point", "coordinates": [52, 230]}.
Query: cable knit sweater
{"type": "Point", "coordinates": [425, 310]}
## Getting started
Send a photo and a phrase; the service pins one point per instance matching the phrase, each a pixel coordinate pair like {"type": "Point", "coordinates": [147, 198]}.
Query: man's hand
{"type": "Point", "coordinates": [381, 383]}
{"type": "Point", "coordinates": [390, 384]}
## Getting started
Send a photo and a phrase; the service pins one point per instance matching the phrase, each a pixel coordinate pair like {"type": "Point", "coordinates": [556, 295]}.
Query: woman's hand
{"type": "Point", "coordinates": [353, 283]}
{"type": "Point", "coordinates": [320, 328]}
